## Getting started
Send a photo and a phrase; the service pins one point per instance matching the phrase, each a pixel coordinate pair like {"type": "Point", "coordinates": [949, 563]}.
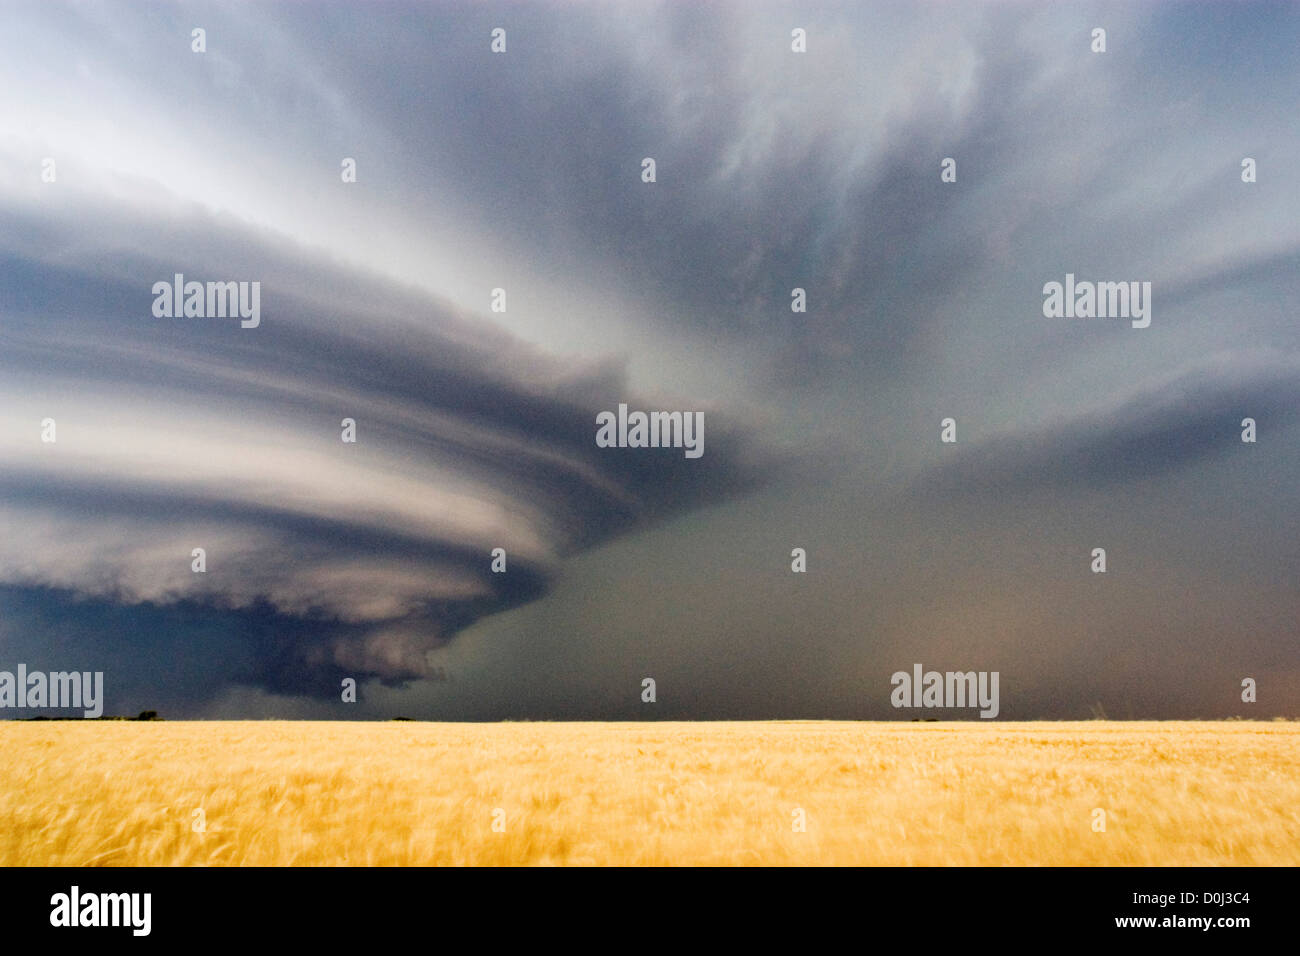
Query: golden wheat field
{"type": "Point", "coordinates": [274, 793]}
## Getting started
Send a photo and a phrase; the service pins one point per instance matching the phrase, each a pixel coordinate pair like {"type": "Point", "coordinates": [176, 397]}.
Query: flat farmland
{"type": "Point", "coordinates": [113, 793]}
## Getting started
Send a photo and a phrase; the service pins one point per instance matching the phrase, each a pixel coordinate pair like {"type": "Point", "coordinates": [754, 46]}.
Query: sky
{"type": "Point", "coordinates": [476, 429]}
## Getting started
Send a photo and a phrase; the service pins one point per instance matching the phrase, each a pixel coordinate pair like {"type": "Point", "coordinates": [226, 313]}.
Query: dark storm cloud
{"type": "Point", "coordinates": [349, 560]}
